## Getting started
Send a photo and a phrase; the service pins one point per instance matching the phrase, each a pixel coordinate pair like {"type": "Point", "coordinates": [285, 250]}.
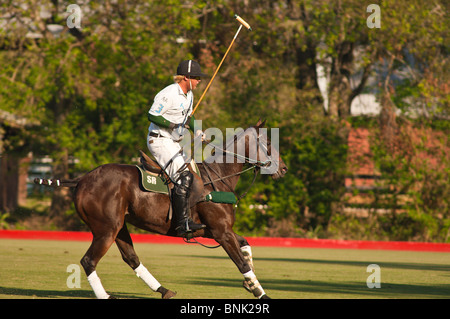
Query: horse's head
{"type": "Point", "coordinates": [269, 152]}
{"type": "Point", "coordinates": [254, 146]}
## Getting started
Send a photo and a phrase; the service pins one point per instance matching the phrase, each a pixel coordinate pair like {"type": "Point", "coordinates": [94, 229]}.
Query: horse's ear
{"type": "Point", "coordinates": [260, 123]}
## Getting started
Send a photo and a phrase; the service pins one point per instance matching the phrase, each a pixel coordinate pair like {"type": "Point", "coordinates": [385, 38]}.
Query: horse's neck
{"type": "Point", "coordinates": [230, 165]}
{"type": "Point", "coordinates": [224, 170]}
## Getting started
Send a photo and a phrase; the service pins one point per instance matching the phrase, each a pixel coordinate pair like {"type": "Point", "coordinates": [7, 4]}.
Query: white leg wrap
{"type": "Point", "coordinates": [254, 284]}
{"type": "Point", "coordinates": [147, 277]}
{"type": "Point", "coordinates": [249, 275]}
{"type": "Point", "coordinates": [247, 252]}
{"type": "Point", "coordinates": [96, 285]}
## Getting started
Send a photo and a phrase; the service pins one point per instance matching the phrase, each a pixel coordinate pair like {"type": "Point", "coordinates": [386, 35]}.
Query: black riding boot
{"type": "Point", "coordinates": [180, 204]}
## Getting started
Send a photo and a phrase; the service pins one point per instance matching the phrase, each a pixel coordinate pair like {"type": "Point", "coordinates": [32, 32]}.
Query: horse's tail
{"type": "Point", "coordinates": [57, 182]}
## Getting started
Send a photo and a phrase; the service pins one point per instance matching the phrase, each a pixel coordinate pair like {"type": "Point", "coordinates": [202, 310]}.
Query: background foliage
{"type": "Point", "coordinates": [89, 90]}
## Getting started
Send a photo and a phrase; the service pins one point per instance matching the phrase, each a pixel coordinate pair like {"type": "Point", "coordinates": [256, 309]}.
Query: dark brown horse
{"type": "Point", "coordinates": [110, 195]}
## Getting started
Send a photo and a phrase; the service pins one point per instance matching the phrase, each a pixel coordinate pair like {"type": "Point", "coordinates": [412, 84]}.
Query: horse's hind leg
{"type": "Point", "coordinates": [125, 245]}
{"type": "Point", "coordinates": [98, 248]}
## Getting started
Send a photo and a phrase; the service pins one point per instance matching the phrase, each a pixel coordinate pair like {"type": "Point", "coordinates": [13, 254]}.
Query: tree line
{"type": "Point", "coordinates": [90, 89]}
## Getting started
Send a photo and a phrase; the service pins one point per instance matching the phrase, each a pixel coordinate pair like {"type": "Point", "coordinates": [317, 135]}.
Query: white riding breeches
{"type": "Point", "coordinates": [165, 150]}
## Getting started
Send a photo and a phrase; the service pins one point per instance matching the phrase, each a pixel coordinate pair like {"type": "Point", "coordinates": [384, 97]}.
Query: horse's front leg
{"type": "Point", "coordinates": [230, 244]}
{"type": "Point", "coordinates": [246, 251]}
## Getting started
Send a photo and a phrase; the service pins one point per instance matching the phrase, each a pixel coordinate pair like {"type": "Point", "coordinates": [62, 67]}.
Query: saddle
{"type": "Point", "coordinates": [151, 165]}
{"type": "Point", "coordinates": [154, 179]}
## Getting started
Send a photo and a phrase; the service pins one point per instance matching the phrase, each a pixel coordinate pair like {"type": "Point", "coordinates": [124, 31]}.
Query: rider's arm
{"type": "Point", "coordinates": [190, 123]}
{"type": "Point", "coordinates": [162, 122]}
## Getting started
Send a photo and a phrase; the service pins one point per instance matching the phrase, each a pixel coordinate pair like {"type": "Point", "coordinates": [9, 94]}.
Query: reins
{"type": "Point", "coordinates": [228, 176]}
{"type": "Point", "coordinates": [222, 179]}
{"type": "Point", "coordinates": [187, 241]}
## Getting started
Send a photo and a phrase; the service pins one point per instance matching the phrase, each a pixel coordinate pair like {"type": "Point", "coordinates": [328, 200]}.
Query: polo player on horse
{"type": "Point", "coordinates": [169, 119]}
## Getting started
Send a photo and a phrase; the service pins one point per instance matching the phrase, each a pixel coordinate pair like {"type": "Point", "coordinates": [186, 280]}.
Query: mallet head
{"type": "Point", "coordinates": [245, 24]}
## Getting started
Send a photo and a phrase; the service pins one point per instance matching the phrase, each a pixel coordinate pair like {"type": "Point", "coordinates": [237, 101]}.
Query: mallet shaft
{"type": "Point", "coordinates": [217, 70]}
{"type": "Point", "coordinates": [243, 23]}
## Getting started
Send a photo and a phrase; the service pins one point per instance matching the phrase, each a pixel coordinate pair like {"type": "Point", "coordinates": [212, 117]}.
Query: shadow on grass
{"type": "Point", "coordinates": [67, 294]}
{"type": "Point", "coordinates": [338, 289]}
{"type": "Point", "coordinates": [395, 265]}
{"type": "Point", "coordinates": [343, 288]}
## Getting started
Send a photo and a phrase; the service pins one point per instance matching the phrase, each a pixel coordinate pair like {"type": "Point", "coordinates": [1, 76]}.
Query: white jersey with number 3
{"type": "Point", "coordinates": [172, 104]}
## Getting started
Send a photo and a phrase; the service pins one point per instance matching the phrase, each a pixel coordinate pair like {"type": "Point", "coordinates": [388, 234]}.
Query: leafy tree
{"type": "Point", "coordinates": [90, 88]}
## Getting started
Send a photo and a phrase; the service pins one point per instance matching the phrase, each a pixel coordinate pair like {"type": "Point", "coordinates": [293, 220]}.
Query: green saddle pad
{"type": "Point", "coordinates": [153, 182]}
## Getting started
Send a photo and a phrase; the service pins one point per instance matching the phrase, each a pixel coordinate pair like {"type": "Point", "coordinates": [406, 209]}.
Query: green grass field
{"type": "Point", "coordinates": [38, 269]}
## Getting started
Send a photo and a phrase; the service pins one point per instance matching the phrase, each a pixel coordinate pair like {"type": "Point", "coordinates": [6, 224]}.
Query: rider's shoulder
{"type": "Point", "coordinates": [171, 89]}
{"type": "Point", "coordinates": [168, 92]}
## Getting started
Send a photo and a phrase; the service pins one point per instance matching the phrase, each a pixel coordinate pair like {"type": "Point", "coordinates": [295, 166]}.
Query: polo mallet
{"type": "Point", "coordinates": [242, 23]}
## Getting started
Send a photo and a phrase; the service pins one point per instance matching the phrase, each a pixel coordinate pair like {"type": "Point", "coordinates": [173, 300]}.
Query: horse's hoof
{"type": "Point", "coordinates": [112, 297]}
{"type": "Point", "coordinates": [265, 297]}
{"type": "Point", "coordinates": [168, 294]}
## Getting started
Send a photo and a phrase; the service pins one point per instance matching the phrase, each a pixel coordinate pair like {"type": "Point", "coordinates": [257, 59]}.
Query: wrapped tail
{"type": "Point", "coordinates": [57, 182]}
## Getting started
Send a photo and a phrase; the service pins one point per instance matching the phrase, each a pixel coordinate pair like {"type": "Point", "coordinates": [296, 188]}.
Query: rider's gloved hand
{"type": "Point", "coordinates": [200, 134]}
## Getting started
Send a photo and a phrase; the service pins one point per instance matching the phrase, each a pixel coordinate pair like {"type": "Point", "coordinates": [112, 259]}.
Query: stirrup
{"type": "Point", "coordinates": [188, 236]}
{"type": "Point", "coordinates": [186, 231]}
